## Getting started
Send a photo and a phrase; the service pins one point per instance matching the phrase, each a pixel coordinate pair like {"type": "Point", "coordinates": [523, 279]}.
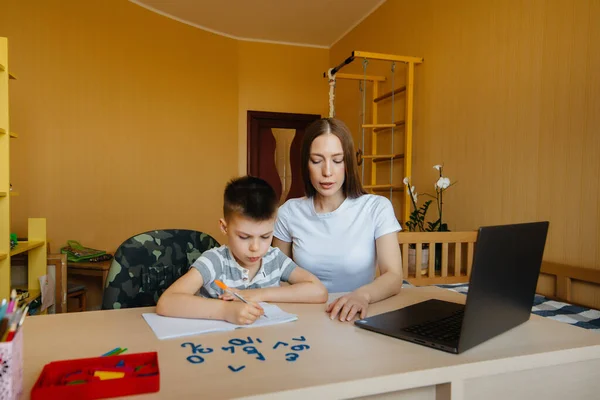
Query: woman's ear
{"type": "Point", "coordinates": [223, 226]}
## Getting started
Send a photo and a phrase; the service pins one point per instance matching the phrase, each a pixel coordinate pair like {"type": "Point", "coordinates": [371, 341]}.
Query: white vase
{"type": "Point", "coordinates": [412, 255]}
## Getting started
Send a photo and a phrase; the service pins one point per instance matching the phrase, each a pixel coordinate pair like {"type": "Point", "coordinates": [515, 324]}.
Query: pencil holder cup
{"type": "Point", "coordinates": [11, 367]}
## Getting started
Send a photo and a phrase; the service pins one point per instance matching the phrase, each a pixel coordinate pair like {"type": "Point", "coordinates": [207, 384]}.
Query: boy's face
{"type": "Point", "coordinates": [249, 240]}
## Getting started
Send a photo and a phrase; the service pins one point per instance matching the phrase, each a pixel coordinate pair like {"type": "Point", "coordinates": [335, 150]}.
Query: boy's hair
{"type": "Point", "coordinates": [251, 197]}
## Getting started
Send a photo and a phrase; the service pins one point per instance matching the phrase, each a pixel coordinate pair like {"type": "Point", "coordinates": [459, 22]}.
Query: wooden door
{"type": "Point", "coordinates": [274, 141]}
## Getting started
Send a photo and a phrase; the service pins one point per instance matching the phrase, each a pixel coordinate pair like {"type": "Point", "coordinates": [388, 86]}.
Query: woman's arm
{"type": "Point", "coordinates": [285, 247]}
{"type": "Point", "coordinates": [389, 262]}
{"type": "Point", "coordinates": [385, 285]}
{"type": "Point", "coordinates": [179, 300]}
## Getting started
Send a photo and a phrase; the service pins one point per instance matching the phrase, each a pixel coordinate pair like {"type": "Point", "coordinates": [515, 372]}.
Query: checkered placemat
{"type": "Point", "coordinates": [563, 312]}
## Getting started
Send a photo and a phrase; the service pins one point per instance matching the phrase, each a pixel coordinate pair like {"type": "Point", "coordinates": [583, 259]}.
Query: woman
{"type": "Point", "coordinates": [338, 232]}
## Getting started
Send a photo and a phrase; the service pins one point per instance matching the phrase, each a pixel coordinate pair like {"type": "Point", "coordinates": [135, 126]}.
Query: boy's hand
{"type": "Point", "coordinates": [240, 313]}
{"type": "Point", "coordinates": [249, 295]}
{"type": "Point", "coordinates": [229, 297]}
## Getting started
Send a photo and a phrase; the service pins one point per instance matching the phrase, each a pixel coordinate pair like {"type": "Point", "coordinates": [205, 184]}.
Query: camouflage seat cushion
{"type": "Point", "coordinates": [145, 265]}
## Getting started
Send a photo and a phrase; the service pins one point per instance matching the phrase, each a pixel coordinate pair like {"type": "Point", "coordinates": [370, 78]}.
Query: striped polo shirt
{"type": "Point", "coordinates": [219, 263]}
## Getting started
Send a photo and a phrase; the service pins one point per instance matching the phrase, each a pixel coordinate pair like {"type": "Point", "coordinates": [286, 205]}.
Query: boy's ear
{"type": "Point", "coordinates": [223, 226]}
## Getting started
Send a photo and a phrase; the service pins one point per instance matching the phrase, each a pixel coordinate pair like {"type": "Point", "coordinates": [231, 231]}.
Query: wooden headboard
{"type": "Point", "coordinates": [574, 285]}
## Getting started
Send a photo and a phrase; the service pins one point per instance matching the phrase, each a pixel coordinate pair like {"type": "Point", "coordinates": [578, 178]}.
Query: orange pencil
{"type": "Point", "coordinates": [228, 290]}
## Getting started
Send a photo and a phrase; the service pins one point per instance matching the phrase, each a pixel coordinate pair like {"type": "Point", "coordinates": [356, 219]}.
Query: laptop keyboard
{"type": "Point", "coordinates": [446, 329]}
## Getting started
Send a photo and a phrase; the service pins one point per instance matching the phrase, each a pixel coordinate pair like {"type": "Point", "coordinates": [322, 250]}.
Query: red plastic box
{"type": "Point", "coordinates": [51, 383]}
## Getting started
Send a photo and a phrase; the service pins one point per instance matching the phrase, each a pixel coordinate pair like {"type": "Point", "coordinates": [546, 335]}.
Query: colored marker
{"type": "Point", "coordinates": [112, 352]}
{"type": "Point", "coordinates": [3, 308]}
{"type": "Point", "coordinates": [12, 304]}
{"type": "Point", "coordinates": [121, 351]}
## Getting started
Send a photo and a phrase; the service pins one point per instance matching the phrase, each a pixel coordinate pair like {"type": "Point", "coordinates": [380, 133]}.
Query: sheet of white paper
{"type": "Point", "coordinates": [275, 315]}
{"type": "Point", "coordinates": [168, 328]}
{"type": "Point", "coordinates": [47, 289]}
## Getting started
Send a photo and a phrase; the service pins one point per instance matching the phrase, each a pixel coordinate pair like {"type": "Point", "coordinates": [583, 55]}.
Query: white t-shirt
{"type": "Point", "coordinates": [338, 247]}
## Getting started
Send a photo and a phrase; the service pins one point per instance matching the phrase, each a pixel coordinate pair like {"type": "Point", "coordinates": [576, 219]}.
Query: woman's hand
{"type": "Point", "coordinates": [348, 306]}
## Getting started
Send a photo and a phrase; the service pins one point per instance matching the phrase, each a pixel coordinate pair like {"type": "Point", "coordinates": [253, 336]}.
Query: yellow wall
{"type": "Point", "coordinates": [119, 111]}
{"type": "Point", "coordinates": [279, 79]}
{"type": "Point", "coordinates": [129, 121]}
{"type": "Point", "coordinates": [508, 98]}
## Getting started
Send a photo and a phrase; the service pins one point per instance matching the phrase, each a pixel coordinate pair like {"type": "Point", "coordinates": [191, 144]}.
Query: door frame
{"type": "Point", "coordinates": [253, 120]}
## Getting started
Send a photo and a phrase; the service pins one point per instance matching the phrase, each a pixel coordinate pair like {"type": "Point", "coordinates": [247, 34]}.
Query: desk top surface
{"type": "Point", "coordinates": [342, 360]}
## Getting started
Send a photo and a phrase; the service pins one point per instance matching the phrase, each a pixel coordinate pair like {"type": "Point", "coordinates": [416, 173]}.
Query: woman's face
{"type": "Point", "coordinates": [326, 165]}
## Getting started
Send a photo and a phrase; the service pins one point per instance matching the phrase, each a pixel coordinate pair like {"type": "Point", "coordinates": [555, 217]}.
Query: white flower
{"type": "Point", "coordinates": [412, 189]}
{"type": "Point", "coordinates": [438, 167]}
{"type": "Point", "coordinates": [405, 180]}
{"type": "Point", "coordinates": [443, 183]}
{"type": "Point", "coordinates": [415, 196]}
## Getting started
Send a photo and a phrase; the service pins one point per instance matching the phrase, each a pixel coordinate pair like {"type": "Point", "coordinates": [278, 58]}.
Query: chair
{"type": "Point", "coordinates": [78, 292]}
{"type": "Point", "coordinates": [446, 249]}
{"type": "Point", "coordinates": [57, 269]}
{"type": "Point", "coordinates": [146, 264]}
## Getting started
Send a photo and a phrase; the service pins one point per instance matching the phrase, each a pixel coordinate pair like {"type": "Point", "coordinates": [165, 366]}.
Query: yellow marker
{"type": "Point", "coordinates": [105, 375]}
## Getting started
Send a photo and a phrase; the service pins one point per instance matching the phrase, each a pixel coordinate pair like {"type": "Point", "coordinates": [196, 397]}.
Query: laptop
{"type": "Point", "coordinates": [504, 276]}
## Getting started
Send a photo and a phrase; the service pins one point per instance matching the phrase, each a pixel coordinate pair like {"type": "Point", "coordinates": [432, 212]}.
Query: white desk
{"type": "Point", "coordinates": [539, 359]}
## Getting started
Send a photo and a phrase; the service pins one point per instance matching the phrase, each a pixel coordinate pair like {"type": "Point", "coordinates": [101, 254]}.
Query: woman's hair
{"type": "Point", "coordinates": [352, 186]}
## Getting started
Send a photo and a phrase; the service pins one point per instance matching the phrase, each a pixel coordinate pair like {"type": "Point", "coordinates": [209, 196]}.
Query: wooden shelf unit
{"type": "Point", "coordinates": [385, 157]}
{"type": "Point", "coordinates": [396, 124]}
{"type": "Point", "coordinates": [380, 188]}
{"type": "Point", "coordinates": [389, 94]}
{"type": "Point", "coordinates": [382, 157]}
{"type": "Point", "coordinates": [33, 294]}
{"type": "Point", "coordinates": [378, 126]}
{"type": "Point", "coordinates": [36, 232]}
{"type": "Point", "coordinates": [375, 126]}
{"type": "Point", "coordinates": [23, 247]}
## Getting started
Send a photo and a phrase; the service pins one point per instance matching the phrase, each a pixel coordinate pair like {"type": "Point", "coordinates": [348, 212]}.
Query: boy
{"type": "Point", "coordinates": [249, 265]}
